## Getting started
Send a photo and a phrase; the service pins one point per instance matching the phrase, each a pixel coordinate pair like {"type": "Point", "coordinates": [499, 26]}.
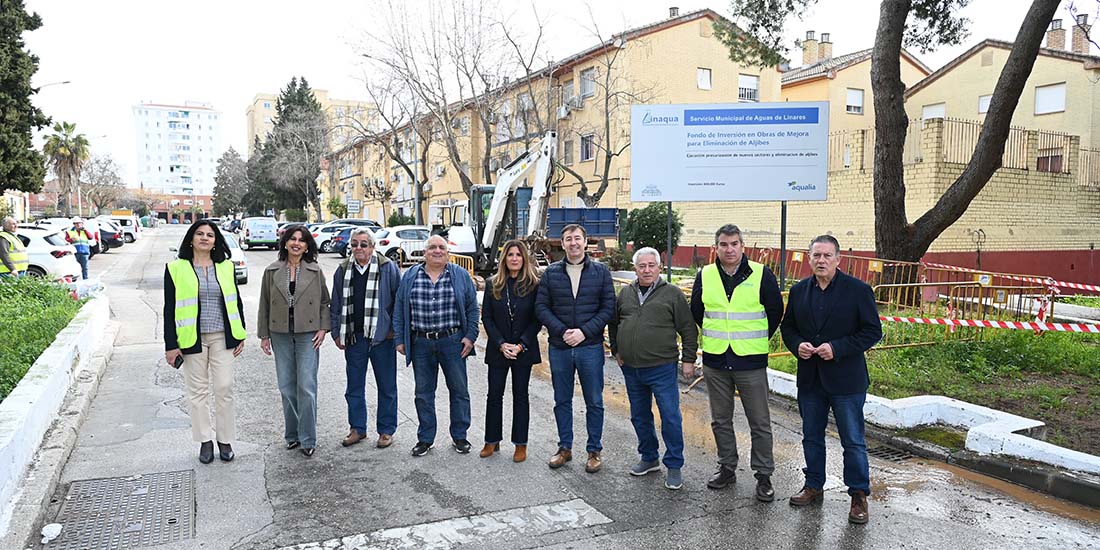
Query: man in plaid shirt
{"type": "Point", "coordinates": [435, 323]}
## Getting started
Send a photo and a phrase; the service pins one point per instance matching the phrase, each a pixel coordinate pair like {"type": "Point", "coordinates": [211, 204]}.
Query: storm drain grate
{"type": "Point", "coordinates": [890, 453]}
{"type": "Point", "coordinates": [127, 512]}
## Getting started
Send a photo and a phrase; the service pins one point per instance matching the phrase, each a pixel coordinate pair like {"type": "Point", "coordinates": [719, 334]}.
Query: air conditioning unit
{"type": "Point", "coordinates": [440, 170]}
{"type": "Point", "coordinates": [395, 177]}
{"type": "Point", "coordinates": [576, 102]}
{"type": "Point", "coordinates": [491, 118]}
{"type": "Point", "coordinates": [494, 164]}
{"type": "Point", "coordinates": [563, 112]}
{"type": "Point", "coordinates": [456, 123]}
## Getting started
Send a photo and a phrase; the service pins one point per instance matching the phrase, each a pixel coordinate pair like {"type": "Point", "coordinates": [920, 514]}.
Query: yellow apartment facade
{"type": "Point", "coordinates": [844, 81]}
{"type": "Point", "coordinates": [343, 114]}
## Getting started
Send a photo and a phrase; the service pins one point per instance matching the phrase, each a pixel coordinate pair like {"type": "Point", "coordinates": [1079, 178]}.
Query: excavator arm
{"type": "Point", "coordinates": [540, 163]}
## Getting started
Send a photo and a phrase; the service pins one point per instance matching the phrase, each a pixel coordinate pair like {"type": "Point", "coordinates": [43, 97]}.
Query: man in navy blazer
{"type": "Point", "coordinates": [831, 320]}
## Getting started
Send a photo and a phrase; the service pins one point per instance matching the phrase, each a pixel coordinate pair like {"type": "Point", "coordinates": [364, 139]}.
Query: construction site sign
{"type": "Point", "coordinates": [729, 152]}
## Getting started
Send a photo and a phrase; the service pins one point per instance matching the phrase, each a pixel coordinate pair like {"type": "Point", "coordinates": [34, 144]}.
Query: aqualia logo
{"type": "Point", "coordinates": [795, 186]}
{"type": "Point", "coordinates": [651, 119]}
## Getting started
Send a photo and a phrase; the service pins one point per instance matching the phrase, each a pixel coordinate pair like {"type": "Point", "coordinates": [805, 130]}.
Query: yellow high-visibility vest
{"type": "Point", "coordinates": [738, 323]}
{"type": "Point", "coordinates": [187, 300]}
{"type": "Point", "coordinates": [17, 253]}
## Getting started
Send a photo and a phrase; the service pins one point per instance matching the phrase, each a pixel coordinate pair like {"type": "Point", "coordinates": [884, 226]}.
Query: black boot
{"type": "Point", "coordinates": [206, 452]}
{"type": "Point", "coordinates": [225, 452]}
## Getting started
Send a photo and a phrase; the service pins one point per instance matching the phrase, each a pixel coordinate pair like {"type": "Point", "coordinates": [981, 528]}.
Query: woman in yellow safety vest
{"type": "Point", "coordinates": [204, 325]}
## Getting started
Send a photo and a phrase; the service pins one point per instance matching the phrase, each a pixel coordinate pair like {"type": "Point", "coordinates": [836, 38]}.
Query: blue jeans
{"type": "Point", "coordinates": [642, 386]}
{"type": "Point", "coordinates": [296, 367]}
{"type": "Point", "coordinates": [813, 406]}
{"type": "Point", "coordinates": [82, 259]}
{"type": "Point", "coordinates": [383, 357]}
{"type": "Point", "coordinates": [429, 357]}
{"type": "Point", "coordinates": [587, 363]}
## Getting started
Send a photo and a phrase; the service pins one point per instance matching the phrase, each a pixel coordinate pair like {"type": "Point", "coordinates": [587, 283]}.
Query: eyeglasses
{"type": "Point", "coordinates": [360, 244]}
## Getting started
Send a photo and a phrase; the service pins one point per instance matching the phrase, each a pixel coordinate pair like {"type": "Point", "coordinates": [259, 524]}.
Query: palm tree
{"type": "Point", "coordinates": [66, 152]}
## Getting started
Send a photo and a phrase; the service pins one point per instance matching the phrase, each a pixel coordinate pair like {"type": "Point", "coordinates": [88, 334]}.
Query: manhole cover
{"type": "Point", "coordinates": [127, 512]}
{"type": "Point", "coordinates": [890, 453]}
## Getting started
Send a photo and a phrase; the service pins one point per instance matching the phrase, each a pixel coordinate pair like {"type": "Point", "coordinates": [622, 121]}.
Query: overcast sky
{"type": "Point", "coordinates": [117, 53]}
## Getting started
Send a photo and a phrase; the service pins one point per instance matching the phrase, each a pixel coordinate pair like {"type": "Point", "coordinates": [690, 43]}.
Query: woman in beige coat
{"type": "Point", "coordinates": [293, 321]}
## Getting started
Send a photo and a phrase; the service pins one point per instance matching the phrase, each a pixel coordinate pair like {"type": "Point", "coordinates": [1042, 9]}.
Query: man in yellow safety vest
{"type": "Point", "coordinates": [13, 254]}
{"type": "Point", "coordinates": [738, 305]}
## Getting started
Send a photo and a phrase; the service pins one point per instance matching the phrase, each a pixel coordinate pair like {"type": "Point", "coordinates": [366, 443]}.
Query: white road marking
{"type": "Point", "coordinates": [517, 522]}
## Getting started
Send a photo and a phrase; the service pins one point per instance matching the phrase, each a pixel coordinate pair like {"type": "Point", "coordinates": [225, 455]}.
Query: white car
{"type": "Point", "coordinates": [50, 255]}
{"type": "Point", "coordinates": [240, 262]}
{"type": "Point", "coordinates": [65, 223]}
{"type": "Point", "coordinates": [402, 243]}
{"type": "Point", "coordinates": [324, 234]}
{"type": "Point", "coordinates": [131, 228]}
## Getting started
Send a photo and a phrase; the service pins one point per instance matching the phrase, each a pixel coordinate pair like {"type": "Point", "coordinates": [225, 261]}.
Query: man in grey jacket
{"type": "Point", "coordinates": [649, 315]}
{"type": "Point", "coordinates": [364, 289]}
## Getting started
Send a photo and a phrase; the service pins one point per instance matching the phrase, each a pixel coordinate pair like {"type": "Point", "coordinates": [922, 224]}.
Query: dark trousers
{"type": "Point", "coordinates": [494, 404]}
{"type": "Point", "coordinates": [813, 406]}
{"type": "Point", "coordinates": [82, 259]}
{"type": "Point", "coordinates": [383, 357]}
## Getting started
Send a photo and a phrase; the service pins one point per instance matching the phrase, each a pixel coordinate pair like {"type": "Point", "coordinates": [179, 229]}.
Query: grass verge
{"type": "Point", "coordinates": [32, 312]}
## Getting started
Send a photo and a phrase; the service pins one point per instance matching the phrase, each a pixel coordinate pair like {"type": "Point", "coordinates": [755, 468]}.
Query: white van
{"type": "Point", "coordinates": [131, 229]}
{"type": "Point", "coordinates": [259, 232]}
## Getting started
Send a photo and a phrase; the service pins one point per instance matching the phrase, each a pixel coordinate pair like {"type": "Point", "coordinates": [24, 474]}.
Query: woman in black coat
{"type": "Point", "coordinates": [508, 315]}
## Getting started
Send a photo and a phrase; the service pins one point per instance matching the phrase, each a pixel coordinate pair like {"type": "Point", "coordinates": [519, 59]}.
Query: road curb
{"type": "Point", "coordinates": [38, 482]}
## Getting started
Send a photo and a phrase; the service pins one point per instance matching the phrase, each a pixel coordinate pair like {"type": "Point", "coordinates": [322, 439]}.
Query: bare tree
{"type": "Point", "coordinates": [101, 183]}
{"type": "Point", "coordinates": [613, 91]}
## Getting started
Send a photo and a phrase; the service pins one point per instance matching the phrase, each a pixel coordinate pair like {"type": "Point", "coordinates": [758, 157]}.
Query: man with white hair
{"type": "Point", "coordinates": [649, 316]}
{"type": "Point", "coordinates": [13, 254]}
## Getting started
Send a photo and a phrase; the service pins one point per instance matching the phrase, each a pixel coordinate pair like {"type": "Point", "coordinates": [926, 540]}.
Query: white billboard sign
{"type": "Point", "coordinates": [729, 152]}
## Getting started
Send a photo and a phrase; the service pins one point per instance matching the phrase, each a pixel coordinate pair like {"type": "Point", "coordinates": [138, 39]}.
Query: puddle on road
{"type": "Point", "coordinates": [1022, 495]}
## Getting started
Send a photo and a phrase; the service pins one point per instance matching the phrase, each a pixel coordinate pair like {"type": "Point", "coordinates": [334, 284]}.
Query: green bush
{"type": "Point", "coordinates": [294, 215]}
{"type": "Point", "coordinates": [35, 310]}
{"type": "Point", "coordinates": [337, 208]}
{"type": "Point", "coordinates": [396, 218]}
{"type": "Point", "coordinates": [649, 227]}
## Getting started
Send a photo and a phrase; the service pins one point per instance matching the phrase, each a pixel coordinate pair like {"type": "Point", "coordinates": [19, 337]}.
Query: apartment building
{"type": "Point", "coordinates": [177, 147]}
{"type": "Point", "coordinates": [344, 115]}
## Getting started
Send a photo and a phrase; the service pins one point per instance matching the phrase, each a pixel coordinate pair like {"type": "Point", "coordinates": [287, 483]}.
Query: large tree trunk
{"type": "Point", "coordinates": [895, 238]}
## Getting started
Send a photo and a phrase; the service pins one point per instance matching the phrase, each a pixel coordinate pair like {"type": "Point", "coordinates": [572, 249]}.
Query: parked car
{"type": "Point", "coordinates": [110, 236]}
{"type": "Point", "coordinates": [357, 221]}
{"type": "Point", "coordinates": [129, 225]}
{"type": "Point", "coordinates": [259, 232]}
{"type": "Point", "coordinates": [389, 242]}
{"type": "Point", "coordinates": [340, 241]}
{"type": "Point", "coordinates": [240, 261]}
{"type": "Point", "coordinates": [48, 253]}
{"type": "Point", "coordinates": [324, 234]}
{"type": "Point", "coordinates": [65, 223]}
{"type": "Point", "coordinates": [232, 225]}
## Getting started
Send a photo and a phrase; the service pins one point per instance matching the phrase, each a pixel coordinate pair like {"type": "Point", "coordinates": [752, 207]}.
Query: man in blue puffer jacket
{"type": "Point", "coordinates": [575, 301]}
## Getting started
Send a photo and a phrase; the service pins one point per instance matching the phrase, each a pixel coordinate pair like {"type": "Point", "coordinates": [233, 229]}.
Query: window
{"type": "Point", "coordinates": [936, 110]}
{"type": "Point", "coordinates": [1050, 99]}
{"type": "Point", "coordinates": [464, 125]}
{"type": "Point", "coordinates": [567, 152]}
{"type": "Point", "coordinates": [702, 78]}
{"type": "Point", "coordinates": [983, 104]}
{"type": "Point", "coordinates": [854, 103]}
{"type": "Point", "coordinates": [267, 105]}
{"type": "Point", "coordinates": [1050, 160]}
{"type": "Point", "coordinates": [748, 87]}
{"type": "Point", "coordinates": [588, 82]}
{"type": "Point", "coordinates": [588, 147]}
{"type": "Point", "coordinates": [525, 103]}
{"type": "Point", "coordinates": [567, 91]}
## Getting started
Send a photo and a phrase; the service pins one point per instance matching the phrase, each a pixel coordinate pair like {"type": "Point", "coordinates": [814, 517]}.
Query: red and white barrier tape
{"type": "Point", "coordinates": [1039, 280]}
{"type": "Point", "coordinates": [1017, 325]}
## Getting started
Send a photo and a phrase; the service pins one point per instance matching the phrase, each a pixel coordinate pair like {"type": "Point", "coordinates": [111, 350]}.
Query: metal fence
{"type": "Point", "coordinates": [1088, 169]}
{"type": "Point", "coordinates": [960, 139]}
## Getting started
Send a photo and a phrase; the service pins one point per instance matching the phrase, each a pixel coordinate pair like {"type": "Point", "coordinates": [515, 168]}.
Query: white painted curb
{"type": "Point", "coordinates": [30, 409]}
{"type": "Point", "coordinates": [989, 431]}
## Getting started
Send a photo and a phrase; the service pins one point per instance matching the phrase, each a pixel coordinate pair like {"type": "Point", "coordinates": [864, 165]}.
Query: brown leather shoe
{"type": "Point", "coordinates": [858, 513]}
{"type": "Point", "coordinates": [808, 495]}
{"type": "Point", "coordinates": [560, 458]}
{"type": "Point", "coordinates": [488, 450]}
{"type": "Point", "coordinates": [594, 463]}
{"type": "Point", "coordinates": [384, 440]}
{"type": "Point", "coordinates": [521, 453]}
{"type": "Point", "coordinates": [352, 438]}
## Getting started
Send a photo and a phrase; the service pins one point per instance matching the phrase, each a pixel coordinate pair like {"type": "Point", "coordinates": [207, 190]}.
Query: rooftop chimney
{"type": "Point", "coordinates": [1056, 36]}
{"type": "Point", "coordinates": [825, 48]}
{"type": "Point", "coordinates": [674, 11]}
{"type": "Point", "coordinates": [1081, 34]}
{"type": "Point", "coordinates": [809, 49]}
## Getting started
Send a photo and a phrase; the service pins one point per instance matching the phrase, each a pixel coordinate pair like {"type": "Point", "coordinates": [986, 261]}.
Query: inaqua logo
{"type": "Point", "coordinates": [659, 120]}
{"type": "Point", "coordinates": [795, 186]}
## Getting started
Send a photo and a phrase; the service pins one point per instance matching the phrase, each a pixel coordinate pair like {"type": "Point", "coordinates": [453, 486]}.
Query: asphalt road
{"type": "Point", "coordinates": [367, 497]}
